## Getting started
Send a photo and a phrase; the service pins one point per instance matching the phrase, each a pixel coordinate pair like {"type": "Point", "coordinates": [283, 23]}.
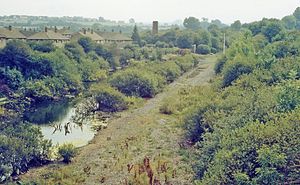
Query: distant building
{"type": "Point", "coordinates": [28, 33]}
{"type": "Point", "coordinates": [155, 27]}
{"type": "Point", "coordinates": [10, 34]}
{"type": "Point", "coordinates": [115, 37]}
{"type": "Point", "coordinates": [90, 34]}
{"type": "Point", "coordinates": [66, 32]}
{"type": "Point", "coordinates": [49, 35]}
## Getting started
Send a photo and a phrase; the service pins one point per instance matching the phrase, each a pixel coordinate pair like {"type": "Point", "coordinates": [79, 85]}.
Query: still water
{"type": "Point", "coordinates": [56, 122]}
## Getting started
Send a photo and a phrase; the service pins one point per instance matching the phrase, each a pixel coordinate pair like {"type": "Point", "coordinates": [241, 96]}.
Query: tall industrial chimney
{"type": "Point", "coordinates": [155, 27]}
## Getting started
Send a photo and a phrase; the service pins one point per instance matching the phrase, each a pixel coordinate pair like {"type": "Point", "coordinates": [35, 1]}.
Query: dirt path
{"type": "Point", "coordinates": [116, 154]}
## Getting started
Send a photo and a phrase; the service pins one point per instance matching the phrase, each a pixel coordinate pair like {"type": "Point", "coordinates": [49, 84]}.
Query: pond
{"type": "Point", "coordinates": [56, 122]}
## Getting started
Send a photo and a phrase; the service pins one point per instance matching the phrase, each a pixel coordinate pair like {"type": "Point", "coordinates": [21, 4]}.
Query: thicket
{"type": "Point", "coordinates": [245, 125]}
{"type": "Point", "coordinates": [147, 79]}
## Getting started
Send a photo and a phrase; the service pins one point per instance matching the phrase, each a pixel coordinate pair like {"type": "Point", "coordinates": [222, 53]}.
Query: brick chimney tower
{"type": "Point", "coordinates": [155, 27]}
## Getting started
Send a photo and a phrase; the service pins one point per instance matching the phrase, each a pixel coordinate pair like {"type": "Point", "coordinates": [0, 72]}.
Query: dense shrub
{"type": "Point", "coordinates": [108, 98]}
{"type": "Point", "coordinates": [169, 70]}
{"type": "Point", "coordinates": [67, 152]}
{"type": "Point", "coordinates": [43, 46]}
{"type": "Point", "coordinates": [185, 62]}
{"type": "Point", "coordinates": [87, 44]}
{"type": "Point", "coordinates": [137, 82]}
{"type": "Point", "coordinates": [15, 158]}
{"type": "Point", "coordinates": [220, 65]}
{"type": "Point", "coordinates": [75, 50]}
{"type": "Point", "coordinates": [203, 49]}
{"type": "Point", "coordinates": [232, 72]}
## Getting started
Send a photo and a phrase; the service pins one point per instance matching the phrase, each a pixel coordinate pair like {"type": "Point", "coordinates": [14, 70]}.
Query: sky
{"type": "Point", "coordinates": [148, 10]}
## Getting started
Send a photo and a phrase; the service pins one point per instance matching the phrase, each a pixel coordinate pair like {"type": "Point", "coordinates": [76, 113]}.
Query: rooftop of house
{"type": "Point", "coordinates": [28, 33]}
{"type": "Point", "coordinates": [47, 35]}
{"type": "Point", "coordinates": [114, 36]}
{"type": "Point", "coordinates": [91, 34]}
{"type": "Point", "coordinates": [12, 33]}
{"type": "Point", "coordinates": [65, 31]}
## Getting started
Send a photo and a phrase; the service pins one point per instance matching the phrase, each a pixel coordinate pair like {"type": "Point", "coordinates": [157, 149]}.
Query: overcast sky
{"type": "Point", "coordinates": [147, 10]}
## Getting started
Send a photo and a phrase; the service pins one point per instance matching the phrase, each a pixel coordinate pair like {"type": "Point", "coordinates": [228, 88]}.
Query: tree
{"type": "Point", "coordinates": [297, 13]}
{"type": "Point", "coordinates": [184, 41]}
{"type": "Point", "coordinates": [202, 37]}
{"type": "Point", "coordinates": [136, 36]}
{"type": "Point", "coordinates": [289, 22]}
{"type": "Point", "coordinates": [131, 21]}
{"type": "Point", "coordinates": [203, 49]}
{"type": "Point", "coordinates": [272, 30]}
{"type": "Point", "coordinates": [237, 25]}
{"type": "Point", "coordinates": [86, 43]}
{"type": "Point", "coordinates": [191, 23]}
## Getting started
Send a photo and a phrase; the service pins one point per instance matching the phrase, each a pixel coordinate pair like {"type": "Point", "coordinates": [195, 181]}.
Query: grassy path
{"type": "Point", "coordinates": [120, 153]}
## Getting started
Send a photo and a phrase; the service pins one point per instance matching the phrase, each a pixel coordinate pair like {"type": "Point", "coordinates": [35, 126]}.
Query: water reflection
{"type": "Point", "coordinates": [56, 121]}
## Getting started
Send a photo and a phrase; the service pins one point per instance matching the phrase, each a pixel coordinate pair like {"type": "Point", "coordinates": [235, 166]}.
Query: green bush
{"type": "Point", "coordinates": [203, 49]}
{"type": "Point", "coordinates": [234, 71]}
{"type": "Point", "coordinates": [220, 65]}
{"type": "Point", "coordinates": [137, 82]}
{"type": "Point", "coordinates": [67, 152]}
{"type": "Point", "coordinates": [169, 70]}
{"type": "Point", "coordinates": [185, 63]}
{"type": "Point", "coordinates": [43, 46]}
{"type": "Point", "coordinates": [109, 99]}
{"type": "Point", "coordinates": [87, 44]}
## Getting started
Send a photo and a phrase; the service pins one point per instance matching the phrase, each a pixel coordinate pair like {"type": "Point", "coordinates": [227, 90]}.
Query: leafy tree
{"type": "Point", "coordinates": [86, 43]}
{"type": "Point", "coordinates": [184, 41]}
{"type": "Point", "coordinates": [202, 37]}
{"type": "Point", "coordinates": [136, 36]}
{"type": "Point", "coordinates": [297, 13]}
{"type": "Point", "coordinates": [203, 49]}
{"type": "Point", "coordinates": [290, 22]}
{"type": "Point", "coordinates": [76, 51]}
{"type": "Point", "coordinates": [273, 30]}
{"type": "Point", "coordinates": [45, 46]}
{"type": "Point", "coordinates": [237, 25]}
{"type": "Point", "coordinates": [191, 23]}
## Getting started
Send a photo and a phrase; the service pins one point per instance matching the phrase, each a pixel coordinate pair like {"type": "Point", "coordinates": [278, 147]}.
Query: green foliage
{"type": "Point", "coordinates": [191, 23]}
{"type": "Point", "coordinates": [67, 152]}
{"type": "Point", "coordinates": [273, 31]}
{"type": "Point", "coordinates": [43, 46]}
{"type": "Point", "coordinates": [203, 49]}
{"type": "Point", "coordinates": [86, 43]}
{"type": "Point", "coordinates": [75, 50]}
{"type": "Point", "coordinates": [136, 36]}
{"type": "Point", "coordinates": [289, 96]}
{"type": "Point", "coordinates": [184, 41]}
{"type": "Point", "coordinates": [137, 82]}
{"type": "Point", "coordinates": [108, 98]}
{"type": "Point", "coordinates": [297, 13]}
{"type": "Point", "coordinates": [185, 62]}
{"type": "Point", "coordinates": [234, 71]}
{"type": "Point", "coordinates": [290, 22]}
{"type": "Point", "coordinates": [15, 158]}
{"type": "Point", "coordinates": [246, 133]}
{"type": "Point", "coordinates": [220, 65]}
{"type": "Point", "coordinates": [169, 70]}
{"type": "Point", "coordinates": [12, 77]}
{"type": "Point", "coordinates": [237, 25]}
